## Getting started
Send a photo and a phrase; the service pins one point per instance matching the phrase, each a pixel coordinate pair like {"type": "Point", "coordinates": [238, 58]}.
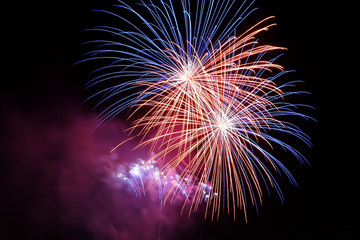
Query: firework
{"type": "Point", "coordinates": [142, 176]}
{"type": "Point", "coordinates": [211, 98]}
{"type": "Point", "coordinates": [157, 56]}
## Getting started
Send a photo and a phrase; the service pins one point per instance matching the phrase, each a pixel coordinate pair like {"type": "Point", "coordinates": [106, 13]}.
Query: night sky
{"type": "Point", "coordinates": [52, 173]}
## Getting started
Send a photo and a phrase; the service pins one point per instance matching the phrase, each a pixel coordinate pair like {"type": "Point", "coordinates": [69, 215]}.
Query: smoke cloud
{"type": "Point", "coordinates": [61, 182]}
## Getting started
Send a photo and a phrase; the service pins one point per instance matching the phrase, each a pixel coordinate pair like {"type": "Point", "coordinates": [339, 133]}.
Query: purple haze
{"type": "Point", "coordinates": [62, 185]}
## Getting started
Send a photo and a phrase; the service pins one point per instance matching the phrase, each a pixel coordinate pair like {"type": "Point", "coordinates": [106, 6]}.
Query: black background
{"type": "Point", "coordinates": [43, 41]}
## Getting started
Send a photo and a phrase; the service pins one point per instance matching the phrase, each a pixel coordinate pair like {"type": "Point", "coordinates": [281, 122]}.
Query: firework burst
{"type": "Point", "coordinates": [211, 98]}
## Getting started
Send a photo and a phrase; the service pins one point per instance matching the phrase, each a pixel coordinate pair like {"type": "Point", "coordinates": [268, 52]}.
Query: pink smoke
{"type": "Point", "coordinates": [62, 181]}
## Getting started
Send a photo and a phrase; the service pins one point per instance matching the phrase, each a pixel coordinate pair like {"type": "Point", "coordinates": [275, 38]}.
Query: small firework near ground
{"type": "Point", "coordinates": [140, 177]}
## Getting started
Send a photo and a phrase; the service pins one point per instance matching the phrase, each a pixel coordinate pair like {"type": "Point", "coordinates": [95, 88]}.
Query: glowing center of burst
{"type": "Point", "coordinates": [187, 73]}
{"type": "Point", "coordinates": [187, 81]}
{"type": "Point", "coordinates": [185, 77]}
{"type": "Point", "coordinates": [223, 124]}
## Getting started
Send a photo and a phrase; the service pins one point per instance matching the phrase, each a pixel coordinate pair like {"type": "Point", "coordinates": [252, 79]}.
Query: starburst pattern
{"type": "Point", "coordinates": [211, 98]}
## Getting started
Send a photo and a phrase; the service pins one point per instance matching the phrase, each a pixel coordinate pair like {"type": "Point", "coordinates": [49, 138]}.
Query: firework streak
{"type": "Point", "coordinates": [210, 95]}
